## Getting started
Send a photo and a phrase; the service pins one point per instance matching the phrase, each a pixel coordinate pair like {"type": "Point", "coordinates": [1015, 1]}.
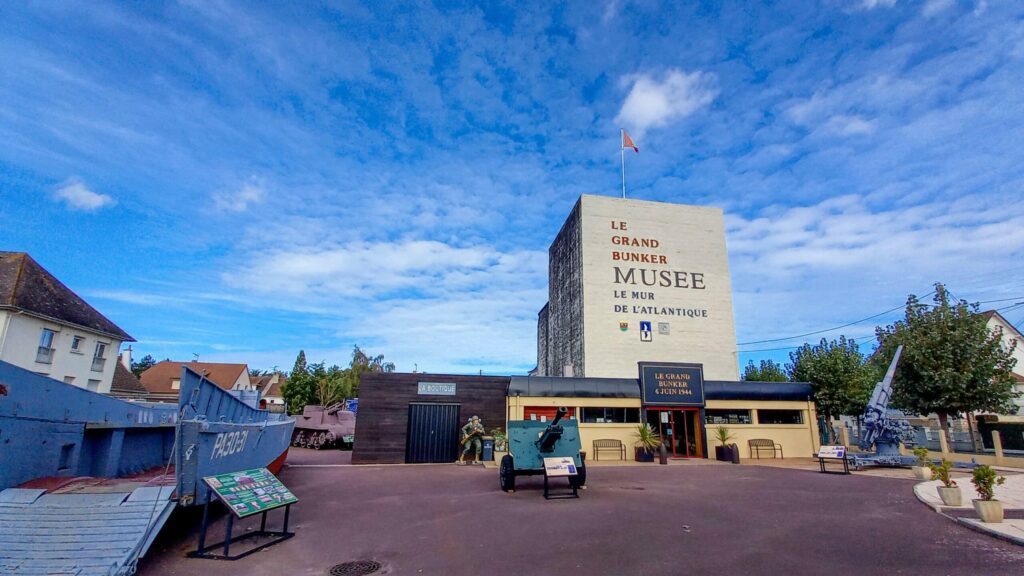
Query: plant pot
{"type": "Point", "coordinates": [644, 455]}
{"type": "Point", "coordinates": [990, 511]}
{"type": "Point", "coordinates": [922, 472]}
{"type": "Point", "coordinates": [951, 496]}
{"type": "Point", "coordinates": [720, 454]}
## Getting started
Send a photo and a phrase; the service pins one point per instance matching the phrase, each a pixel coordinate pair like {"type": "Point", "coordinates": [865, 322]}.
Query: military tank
{"type": "Point", "coordinates": [324, 427]}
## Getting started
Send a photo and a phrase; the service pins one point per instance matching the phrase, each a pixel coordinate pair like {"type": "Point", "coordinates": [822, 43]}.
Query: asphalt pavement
{"type": "Point", "coordinates": [649, 520]}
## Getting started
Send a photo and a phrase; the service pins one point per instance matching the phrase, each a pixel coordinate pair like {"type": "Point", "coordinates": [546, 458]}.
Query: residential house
{"type": "Point", "coordinates": [46, 328]}
{"type": "Point", "coordinates": [126, 385]}
{"type": "Point", "coordinates": [269, 386]}
{"type": "Point", "coordinates": [1011, 336]}
{"type": "Point", "coordinates": [163, 380]}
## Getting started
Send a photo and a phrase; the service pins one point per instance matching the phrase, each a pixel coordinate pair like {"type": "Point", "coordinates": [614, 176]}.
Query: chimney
{"type": "Point", "coordinates": [126, 357]}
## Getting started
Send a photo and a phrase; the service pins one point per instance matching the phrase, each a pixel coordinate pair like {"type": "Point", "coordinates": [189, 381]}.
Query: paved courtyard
{"type": "Point", "coordinates": [650, 520]}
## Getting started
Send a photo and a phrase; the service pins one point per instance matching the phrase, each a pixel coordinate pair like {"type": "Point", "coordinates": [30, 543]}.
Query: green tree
{"type": "Point", "coordinates": [141, 366]}
{"type": "Point", "coordinates": [840, 379]}
{"type": "Point", "coordinates": [332, 386]}
{"type": "Point", "coordinates": [300, 362]}
{"type": "Point", "coordinates": [298, 390]}
{"type": "Point", "coordinates": [951, 363]}
{"type": "Point", "coordinates": [361, 364]}
{"type": "Point", "coordinates": [768, 371]}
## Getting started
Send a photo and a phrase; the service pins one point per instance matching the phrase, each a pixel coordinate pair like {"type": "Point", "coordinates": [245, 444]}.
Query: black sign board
{"type": "Point", "coordinates": [668, 384]}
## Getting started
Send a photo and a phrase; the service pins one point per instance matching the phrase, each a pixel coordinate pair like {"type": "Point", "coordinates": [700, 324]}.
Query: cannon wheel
{"type": "Point", "coordinates": [507, 474]}
{"type": "Point", "coordinates": [580, 478]}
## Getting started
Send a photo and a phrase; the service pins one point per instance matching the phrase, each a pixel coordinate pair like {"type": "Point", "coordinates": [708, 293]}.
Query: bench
{"type": "Point", "coordinates": [615, 445]}
{"type": "Point", "coordinates": [758, 444]}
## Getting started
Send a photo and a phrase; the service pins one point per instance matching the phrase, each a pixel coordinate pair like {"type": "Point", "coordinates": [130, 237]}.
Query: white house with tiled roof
{"type": "Point", "coordinates": [269, 386]}
{"type": "Point", "coordinates": [48, 329]}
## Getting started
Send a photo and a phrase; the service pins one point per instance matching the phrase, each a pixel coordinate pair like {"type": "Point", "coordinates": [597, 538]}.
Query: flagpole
{"type": "Point", "coordinates": [622, 157]}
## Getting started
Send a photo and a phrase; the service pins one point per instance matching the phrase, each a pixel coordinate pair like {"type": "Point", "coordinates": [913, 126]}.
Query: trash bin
{"type": "Point", "coordinates": [488, 453]}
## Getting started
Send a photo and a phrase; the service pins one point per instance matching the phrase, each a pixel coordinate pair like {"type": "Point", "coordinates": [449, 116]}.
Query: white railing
{"type": "Point", "coordinates": [44, 355]}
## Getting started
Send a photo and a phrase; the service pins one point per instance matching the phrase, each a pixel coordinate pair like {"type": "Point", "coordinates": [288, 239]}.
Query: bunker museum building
{"type": "Point", "coordinates": [638, 328]}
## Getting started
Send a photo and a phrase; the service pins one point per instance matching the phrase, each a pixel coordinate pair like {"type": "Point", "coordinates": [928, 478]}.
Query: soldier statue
{"type": "Point", "coordinates": [472, 434]}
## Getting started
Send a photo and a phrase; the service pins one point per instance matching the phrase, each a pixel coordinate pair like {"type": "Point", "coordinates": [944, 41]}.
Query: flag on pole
{"type": "Point", "coordinates": [627, 142]}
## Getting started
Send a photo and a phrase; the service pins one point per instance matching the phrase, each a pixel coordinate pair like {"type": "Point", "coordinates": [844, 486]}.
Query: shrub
{"type": "Point", "coordinates": [941, 472]}
{"type": "Point", "coordinates": [921, 453]}
{"type": "Point", "coordinates": [985, 481]}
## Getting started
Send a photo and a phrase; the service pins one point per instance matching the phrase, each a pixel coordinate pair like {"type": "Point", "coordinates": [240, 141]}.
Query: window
{"type": "Point", "coordinates": [76, 344]}
{"type": "Point", "coordinates": [94, 385]}
{"type": "Point", "coordinates": [44, 355]}
{"type": "Point", "coordinates": [780, 416]}
{"type": "Point", "coordinates": [98, 360]}
{"type": "Point", "coordinates": [69, 379]}
{"type": "Point", "coordinates": [175, 384]}
{"type": "Point", "coordinates": [544, 413]}
{"type": "Point", "coordinates": [610, 415]}
{"type": "Point", "coordinates": [727, 416]}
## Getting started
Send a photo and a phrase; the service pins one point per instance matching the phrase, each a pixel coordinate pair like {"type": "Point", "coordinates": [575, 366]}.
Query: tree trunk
{"type": "Point", "coordinates": [970, 430]}
{"type": "Point", "coordinates": [944, 429]}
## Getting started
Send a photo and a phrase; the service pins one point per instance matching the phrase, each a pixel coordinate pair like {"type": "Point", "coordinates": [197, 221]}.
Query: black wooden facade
{"type": "Point", "coordinates": [382, 426]}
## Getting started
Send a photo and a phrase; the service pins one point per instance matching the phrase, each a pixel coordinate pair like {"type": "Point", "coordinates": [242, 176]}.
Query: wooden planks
{"type": "Point", "coordinates": [79, 534]}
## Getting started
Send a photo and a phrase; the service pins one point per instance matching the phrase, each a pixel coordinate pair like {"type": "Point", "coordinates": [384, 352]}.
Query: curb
{"type": "Point", "coordinates": [978, 526]}
{"type": "Point", "coordinates": [971, 523]}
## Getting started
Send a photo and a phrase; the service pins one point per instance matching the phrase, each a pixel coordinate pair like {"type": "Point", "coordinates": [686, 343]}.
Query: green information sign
{"type": "Point", "coordinates": [250, 491]}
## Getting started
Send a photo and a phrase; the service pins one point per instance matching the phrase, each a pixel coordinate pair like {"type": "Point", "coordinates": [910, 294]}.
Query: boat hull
{"type": "Point", "coordinates": [219, 433]}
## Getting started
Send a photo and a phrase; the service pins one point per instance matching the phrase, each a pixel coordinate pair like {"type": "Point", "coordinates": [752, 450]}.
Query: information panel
{"type": "Point", "coordinates": [250, 491]}
{"type": "Point", "coordinates": [832, 452]}
{"type": "Point", "coordinates": [672, 384]}
{"type": "Point", "coordinates": [561, 466]}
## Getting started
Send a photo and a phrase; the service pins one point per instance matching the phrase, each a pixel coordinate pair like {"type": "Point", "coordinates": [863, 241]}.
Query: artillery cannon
{"type": "Point", "coordinates": [531, 441]}
{"type": "Point", "coordinates": [882, 430]}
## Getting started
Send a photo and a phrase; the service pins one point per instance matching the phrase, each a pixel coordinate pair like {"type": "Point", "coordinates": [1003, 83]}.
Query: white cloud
{"type": "Point", "coordinates": [872, 4]}
{"type": "Point", "coordinates": [239, 200]}
{"type": "Point", "coordinates": [445, 307]}
{"type": "Point", "coordinates": [933, 7]}
{"type": "Point", "coordinates": [652, 103]}
{"type": "Point", "coordinates": [841, 259]}
{"type": "Point", "coordinates": [369, 270]}
{"type": "Point", "coordinates": [78, 197]}
{"type": "Point", "coordinates": [611, 10]}
{"type": "Point", "coordinates": [849, 125]}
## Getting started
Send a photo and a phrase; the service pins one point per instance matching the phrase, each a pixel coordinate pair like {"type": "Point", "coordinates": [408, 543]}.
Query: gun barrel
{"type": "Point", "coordinates": [559, 414]}
{"type": "Point", "coordinates": [553, 433]}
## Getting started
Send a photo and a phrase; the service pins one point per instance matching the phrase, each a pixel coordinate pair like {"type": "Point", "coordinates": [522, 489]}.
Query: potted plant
{"type": "Point", "coordinates": [985, 481]}
{"type": "Point", "coordinates": [500, 439]}
{"type": "Point", "coordinates": [923, 470]}
{"type": "Point", "coordinates": [949, 491]}
{"type": "Point", "coordinates": [647, 442]}
{"type": "Point", "coordinates": [724, 450]}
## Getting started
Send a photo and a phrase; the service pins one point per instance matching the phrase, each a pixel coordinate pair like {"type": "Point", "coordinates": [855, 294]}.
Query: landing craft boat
{"type": "Point", "coordinates": [86, 481]}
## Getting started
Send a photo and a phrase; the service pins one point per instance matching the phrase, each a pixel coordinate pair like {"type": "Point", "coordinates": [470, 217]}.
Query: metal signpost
{"type": "Point", "coordinates": [245, 493]}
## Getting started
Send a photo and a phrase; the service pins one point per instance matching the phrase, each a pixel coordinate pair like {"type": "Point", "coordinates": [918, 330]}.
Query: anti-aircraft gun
{"type": "Point", "coordinates": [531, 441]}
{"type": "Point", "coordinates": [881, 430]}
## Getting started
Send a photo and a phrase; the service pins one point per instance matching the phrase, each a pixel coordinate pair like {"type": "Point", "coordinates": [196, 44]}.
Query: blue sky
{"type": "Point", "coordinates": [241, 181]}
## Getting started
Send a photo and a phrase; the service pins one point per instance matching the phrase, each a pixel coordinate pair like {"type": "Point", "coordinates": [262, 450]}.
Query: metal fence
{"type": "Point", "coordinates": [960, 441]}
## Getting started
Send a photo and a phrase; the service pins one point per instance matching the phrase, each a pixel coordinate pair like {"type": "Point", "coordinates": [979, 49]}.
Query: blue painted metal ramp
{"type": "Point", "coordinates": [81, 534]}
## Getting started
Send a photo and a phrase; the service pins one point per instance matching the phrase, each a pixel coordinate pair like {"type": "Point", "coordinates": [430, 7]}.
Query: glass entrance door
{"type": "Point", "coordinates": [680, 429]}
